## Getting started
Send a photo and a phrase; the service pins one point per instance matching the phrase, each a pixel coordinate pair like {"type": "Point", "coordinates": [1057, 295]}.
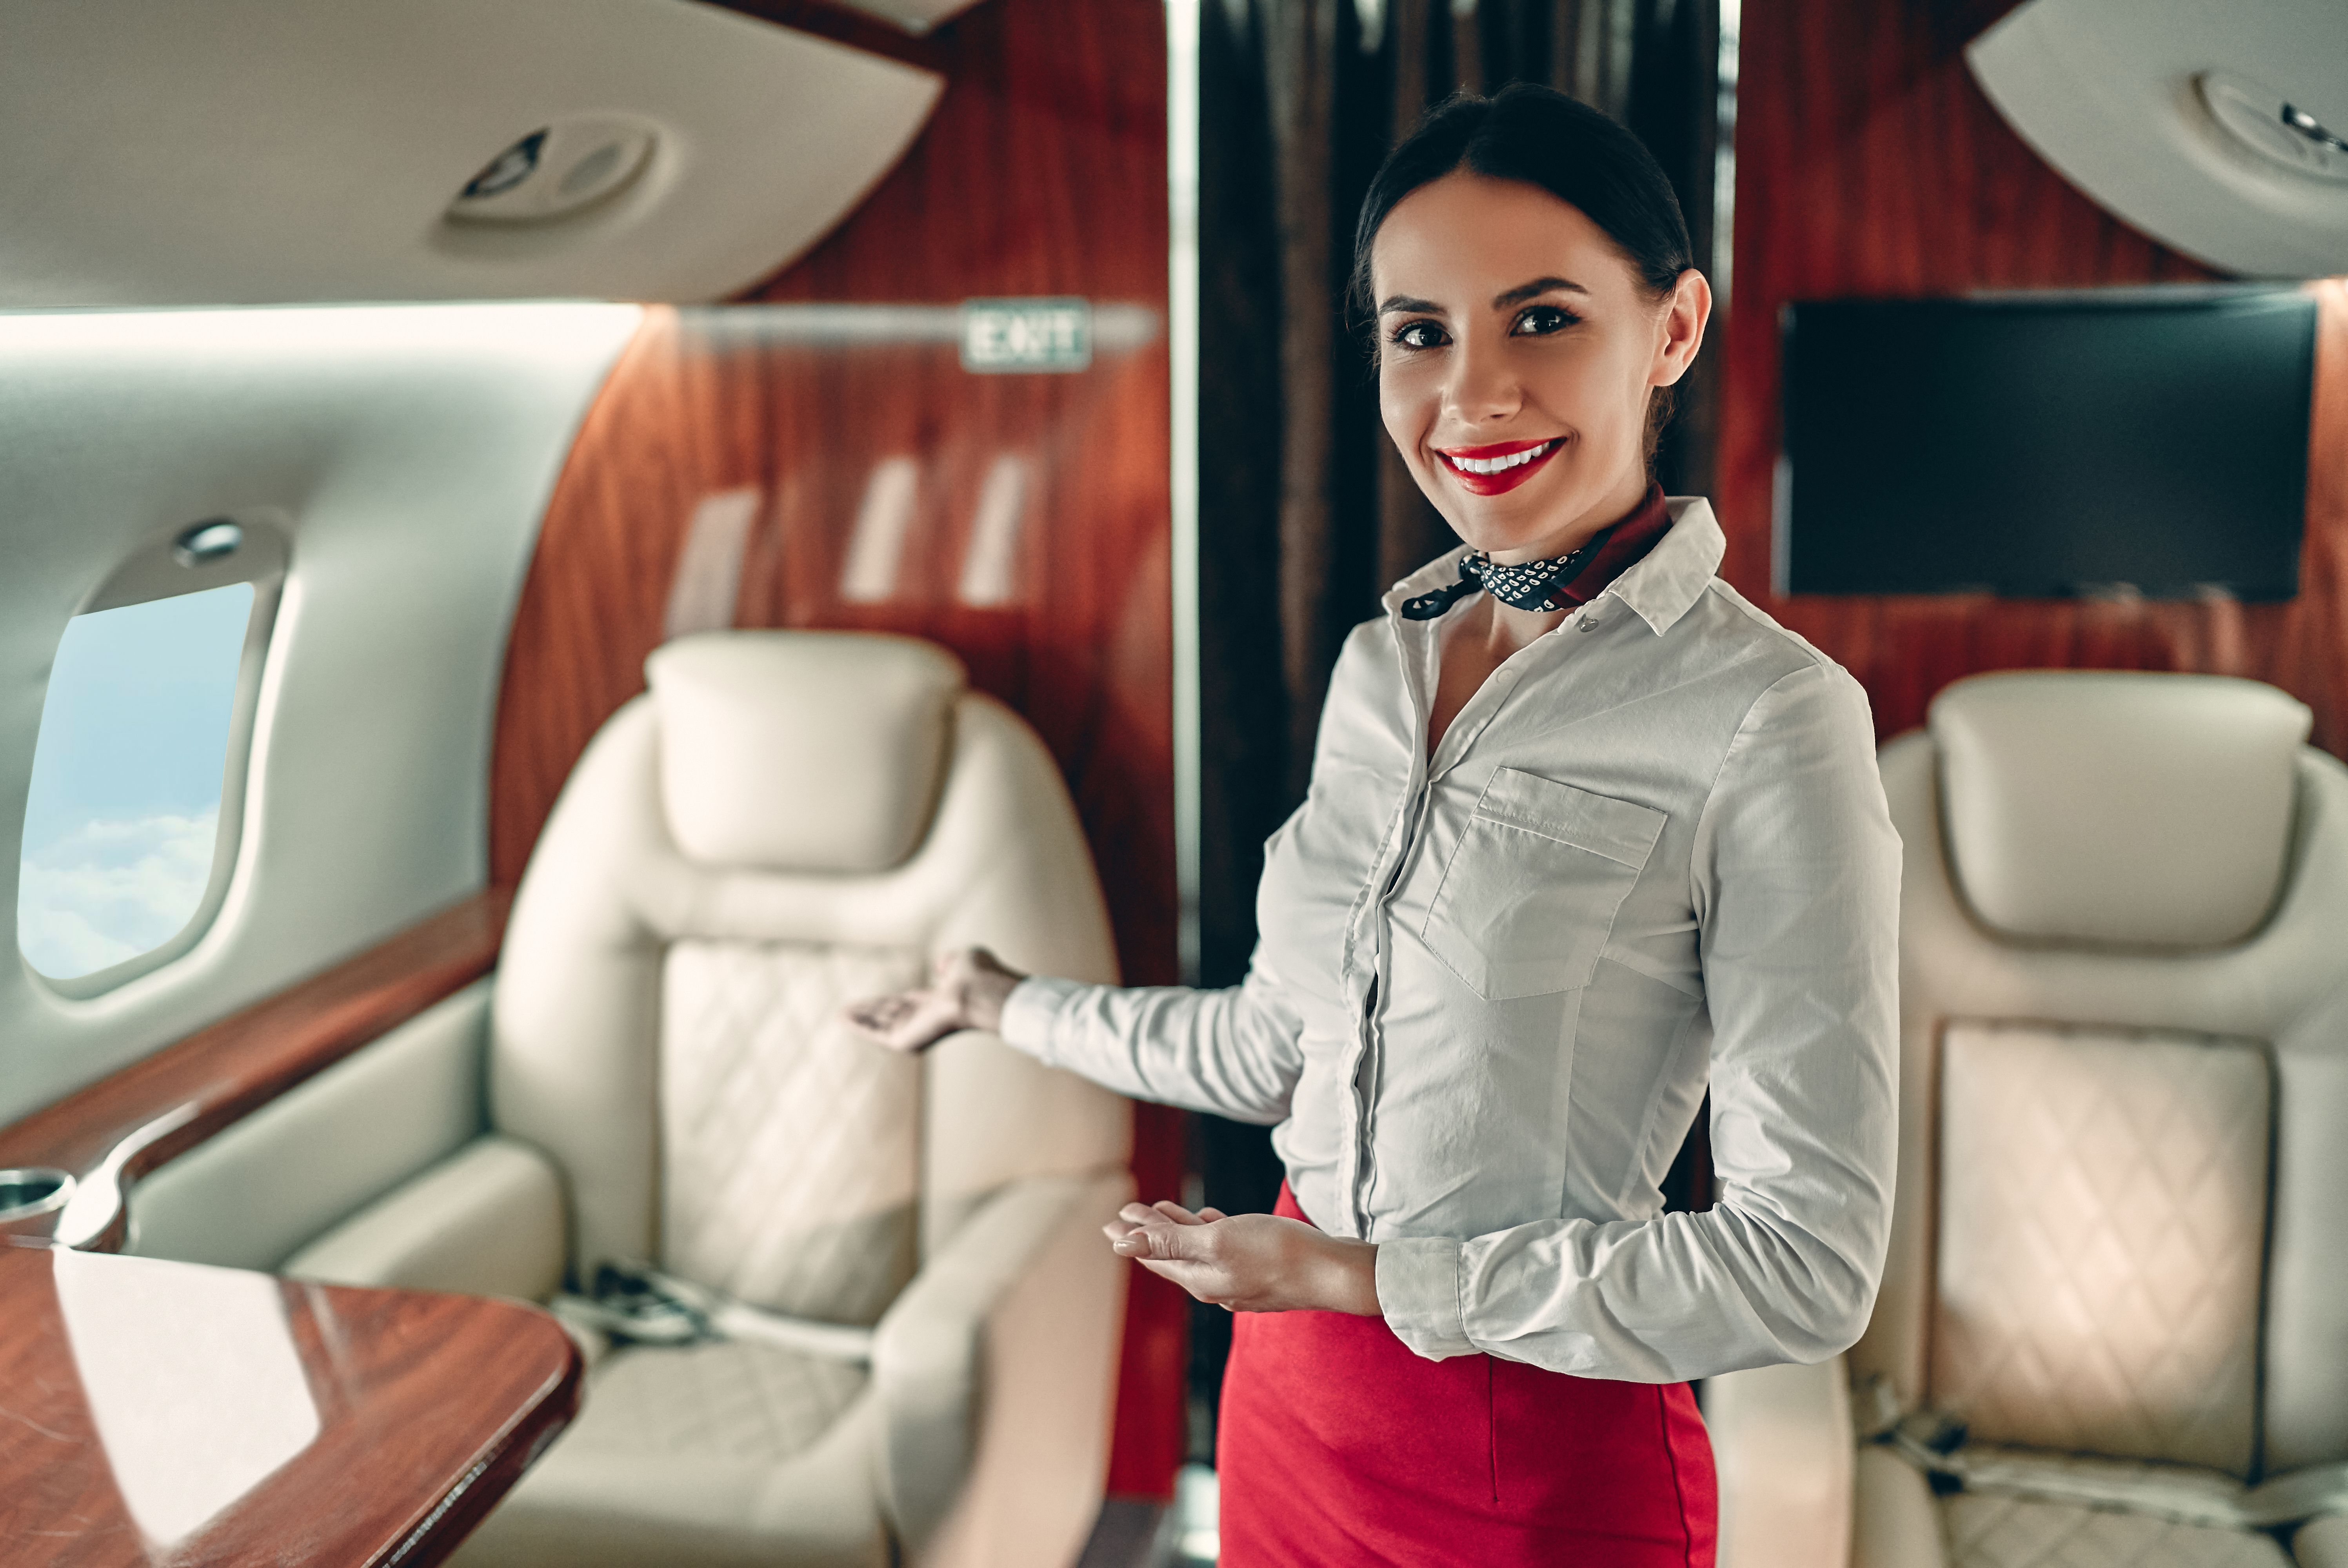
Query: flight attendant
{"type": "Point", "coordinates": [1588, 834]}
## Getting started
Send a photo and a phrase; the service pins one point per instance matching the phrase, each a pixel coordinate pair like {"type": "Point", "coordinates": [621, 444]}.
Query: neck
{"type": "Point", "coordinates": [1512, 628]}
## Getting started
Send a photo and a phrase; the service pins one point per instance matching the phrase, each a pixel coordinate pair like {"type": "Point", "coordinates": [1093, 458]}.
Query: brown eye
{"type": "Point", "coordinates": [1419, 335]}
{"type": "Point", "coordinates": [1539, 321]}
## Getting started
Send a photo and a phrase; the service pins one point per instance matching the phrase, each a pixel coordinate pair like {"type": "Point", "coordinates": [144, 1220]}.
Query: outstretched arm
{"type": "Point", "coordinates": [967, 990]}
{"type": "Point", "coordinates": [1233, 1052]}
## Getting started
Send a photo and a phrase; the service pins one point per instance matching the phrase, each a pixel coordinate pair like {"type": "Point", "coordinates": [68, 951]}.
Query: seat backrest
{"type": "Point", "coordinates": [2124, 1096]}
{"type": "Point", "coordinates": [785, 822]}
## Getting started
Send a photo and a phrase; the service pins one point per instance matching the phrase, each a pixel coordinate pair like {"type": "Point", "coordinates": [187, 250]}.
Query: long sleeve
{"type": "Point", "coordinates": [1233, 1052]}
{"type": "Point", "coordinates": [1795, 882]}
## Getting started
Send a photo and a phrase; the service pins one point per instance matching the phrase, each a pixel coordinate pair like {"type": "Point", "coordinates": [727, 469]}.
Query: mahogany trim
{"type": "Point", "coordinates": [843, 23]}
{"type": "Point", "coordinates": [429, 1407]}
{"type": "Point", "coordinates": [131, 1122]}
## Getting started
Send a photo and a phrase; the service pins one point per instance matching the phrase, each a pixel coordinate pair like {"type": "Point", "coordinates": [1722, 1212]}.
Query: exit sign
{"type": "Point", "coordinates": [1000, 335]}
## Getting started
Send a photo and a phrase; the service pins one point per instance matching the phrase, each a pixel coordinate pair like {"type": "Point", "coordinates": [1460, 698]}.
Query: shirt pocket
{"type": "Point", "coordinates": [1529, 899]}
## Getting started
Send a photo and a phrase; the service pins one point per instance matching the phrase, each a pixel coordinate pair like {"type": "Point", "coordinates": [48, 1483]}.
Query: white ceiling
{"type": "Point", "coordinates": [2106, 91]}
{"type": "Point", "coordinates": [233, 151]}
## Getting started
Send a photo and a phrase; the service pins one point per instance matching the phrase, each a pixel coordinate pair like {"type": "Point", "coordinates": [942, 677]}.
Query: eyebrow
{"type": "Point", "coordinates": [1523, 291]}
{"type": "Point", "coordinates": [1500, 302]}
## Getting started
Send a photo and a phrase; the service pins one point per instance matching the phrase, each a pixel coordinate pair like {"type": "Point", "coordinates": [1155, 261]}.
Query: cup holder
{"type": "Point", "coordinates": [33, 1189]}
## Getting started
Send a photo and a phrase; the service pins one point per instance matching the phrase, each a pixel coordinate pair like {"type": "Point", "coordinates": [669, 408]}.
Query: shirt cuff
{"type": "Point", "coordinates": [1031, 1013]}
{"type": "Point", "coordinates": [1418, 1291]}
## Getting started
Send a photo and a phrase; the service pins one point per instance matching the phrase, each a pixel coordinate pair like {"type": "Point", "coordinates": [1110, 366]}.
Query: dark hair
{"type": "Point", "coordinates": [1541, 137]}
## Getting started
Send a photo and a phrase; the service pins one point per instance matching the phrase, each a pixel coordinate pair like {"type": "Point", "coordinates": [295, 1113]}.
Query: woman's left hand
{"type": "Point", "coordinates": [1249, 1263]}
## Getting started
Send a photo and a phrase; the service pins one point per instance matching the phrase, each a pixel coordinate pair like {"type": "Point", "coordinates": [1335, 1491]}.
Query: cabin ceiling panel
{"type": "Point", "coordinates": [410, 450]}
{"type": "Point", "coordinates": [276, 151]}
{"type": "Point", "coordinates": [2124, 98]}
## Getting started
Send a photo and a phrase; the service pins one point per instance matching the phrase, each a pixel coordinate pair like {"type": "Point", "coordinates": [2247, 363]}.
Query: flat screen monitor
{"type": "Point", "coordinates": [2100, 443]}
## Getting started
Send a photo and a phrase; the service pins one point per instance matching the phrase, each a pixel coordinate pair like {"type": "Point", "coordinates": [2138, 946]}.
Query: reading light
{"type": "Point", "coordinates": [207, 542]}
{"type": "Point", "coordinates": [556, 171]}
{"type": "Point", "coordinates": [2308, 125]}
{"type": "Point", "coordinates": [2282, 135]}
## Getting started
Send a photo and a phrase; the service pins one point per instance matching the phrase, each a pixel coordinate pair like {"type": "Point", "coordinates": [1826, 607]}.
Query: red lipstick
{"type": "Point", "coordinates": [1492, 474]}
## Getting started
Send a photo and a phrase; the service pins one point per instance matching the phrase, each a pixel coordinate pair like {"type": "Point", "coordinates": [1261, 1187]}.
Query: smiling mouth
{"type": "Point", "coordinates": [1490, 470]}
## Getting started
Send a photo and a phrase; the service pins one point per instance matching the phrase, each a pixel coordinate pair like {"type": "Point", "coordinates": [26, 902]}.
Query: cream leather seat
{"type": "Point", "coordinates": [2114, 1328]}
{"type": "Point", "coordinates": [787, 822]}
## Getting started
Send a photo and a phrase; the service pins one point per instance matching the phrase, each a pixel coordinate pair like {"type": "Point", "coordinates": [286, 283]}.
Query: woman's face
{"type": "Point", "coordinates": [1517, 348]}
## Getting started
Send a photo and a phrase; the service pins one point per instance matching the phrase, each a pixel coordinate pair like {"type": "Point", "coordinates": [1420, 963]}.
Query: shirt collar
{"type": "Point", "coordinates": [1660, 588]}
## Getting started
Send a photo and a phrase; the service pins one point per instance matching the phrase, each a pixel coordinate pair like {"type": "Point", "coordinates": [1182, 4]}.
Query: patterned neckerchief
{"type": "Point", "coordinates": [1561, 582]}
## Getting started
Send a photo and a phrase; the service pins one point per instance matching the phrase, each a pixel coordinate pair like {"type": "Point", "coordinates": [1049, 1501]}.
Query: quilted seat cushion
{"type": "Point", "coordinates": [790, 1146]}
{"type": "Point", "coordinates": [1989, 1532]}
{"type": "Point", "coordinates": [729, 1400]}
{"type": "Point", "coordinates": [709, 1455]}
{"type": "Point", "coordinates": [2103, 1211]}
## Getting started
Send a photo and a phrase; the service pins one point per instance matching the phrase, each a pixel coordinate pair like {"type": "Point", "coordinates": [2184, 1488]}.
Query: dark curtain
{"type": "Point", "coordinates": [1306, 514]}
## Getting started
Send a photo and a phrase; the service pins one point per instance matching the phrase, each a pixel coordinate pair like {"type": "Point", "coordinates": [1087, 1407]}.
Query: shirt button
{"type": "Point", "coordinates": [1589, 622]}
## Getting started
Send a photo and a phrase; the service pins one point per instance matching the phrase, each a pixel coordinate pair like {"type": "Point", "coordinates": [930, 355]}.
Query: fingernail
{"type": "Point", "coordinates": [1125, 1245]}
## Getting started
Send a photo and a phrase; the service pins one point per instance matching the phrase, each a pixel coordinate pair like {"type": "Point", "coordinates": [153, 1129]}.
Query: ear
{"type": "Point", "coordinates": [1679, 328]}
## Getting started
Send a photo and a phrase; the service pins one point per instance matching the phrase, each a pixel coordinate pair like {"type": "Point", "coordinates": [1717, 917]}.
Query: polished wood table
{"type": "Point", "coordinates": [156, 1413]}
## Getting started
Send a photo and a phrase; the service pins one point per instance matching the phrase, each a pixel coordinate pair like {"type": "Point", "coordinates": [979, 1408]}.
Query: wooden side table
{"type": "Point", "coordinates": [158, 1413]}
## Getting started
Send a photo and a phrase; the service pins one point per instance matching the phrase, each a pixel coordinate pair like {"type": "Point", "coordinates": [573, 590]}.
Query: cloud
{"type": "Point", "coordinates": [112, 890]}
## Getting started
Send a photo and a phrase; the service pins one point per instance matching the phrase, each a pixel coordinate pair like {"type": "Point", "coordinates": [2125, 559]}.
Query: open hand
{"type": "Point", "coordinates": [967, 990]}
{"type": "Point", "coordinates": [1249, 1263]}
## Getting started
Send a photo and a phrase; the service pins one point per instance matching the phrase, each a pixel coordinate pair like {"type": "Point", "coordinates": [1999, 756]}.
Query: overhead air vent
{"type": "Point", "coordinates": [2216, 130]}
{"type": "Point", "coordinates": [2270, 125]}
{"type": "Point", "coordinates": [276, 151]}
{"type": "Point", "coordinates": [556, 171]}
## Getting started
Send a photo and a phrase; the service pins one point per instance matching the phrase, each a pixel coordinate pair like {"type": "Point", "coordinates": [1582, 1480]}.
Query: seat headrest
{"type": "Point", "coordinates": [2118, 806]}
{"type": "Point", "coordinates": [802, 751]}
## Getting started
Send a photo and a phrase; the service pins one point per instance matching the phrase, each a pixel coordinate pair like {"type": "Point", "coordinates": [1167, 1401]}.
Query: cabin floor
{"type": "Point", "coordinates": [1143, 1533]}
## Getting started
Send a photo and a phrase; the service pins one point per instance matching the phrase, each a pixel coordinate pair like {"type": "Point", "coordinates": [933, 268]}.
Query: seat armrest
{"type": "Point", "coordinates": [1895, 1522]}
{"type": "Point", "coordinates": [1782, 1443]}
{"type": "Point", "coordinates": [2322, 1543]}
{"type": "Point", "coordinates": [995, 1370]}
{"type": "Point", "coordinates": [485, 1221]}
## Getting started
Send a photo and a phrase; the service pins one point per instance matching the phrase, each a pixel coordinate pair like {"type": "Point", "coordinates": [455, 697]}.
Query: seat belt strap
{"type": "Point", "coordinates": [1937, 1445]}
{"type": "Point", "coordinates": [638, 1305]}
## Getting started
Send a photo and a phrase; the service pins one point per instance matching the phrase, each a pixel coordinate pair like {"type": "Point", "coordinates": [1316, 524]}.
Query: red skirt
{"type": "Point", "coordinates": [1339, 1447]}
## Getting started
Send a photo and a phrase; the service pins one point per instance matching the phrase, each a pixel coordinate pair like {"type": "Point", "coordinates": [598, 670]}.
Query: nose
{"type": "Point", "coordinates": [1484, 387]}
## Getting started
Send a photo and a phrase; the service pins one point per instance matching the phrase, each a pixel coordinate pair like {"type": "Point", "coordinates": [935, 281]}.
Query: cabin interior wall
{"type": "Point", "coordinates": [737, 472]}
{"type": "Point", "coordinates": [409, 451]}
{"type": "Point", "coordinates": [1869, 163]}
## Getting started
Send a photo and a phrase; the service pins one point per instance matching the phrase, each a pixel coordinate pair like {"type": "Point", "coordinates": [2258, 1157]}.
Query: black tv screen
{"type": "Point", "coordinates": [2047, 446]}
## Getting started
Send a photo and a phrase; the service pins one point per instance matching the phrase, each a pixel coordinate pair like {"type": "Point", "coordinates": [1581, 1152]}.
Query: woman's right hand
{"type": "Point", "coordinates": [967, 990]}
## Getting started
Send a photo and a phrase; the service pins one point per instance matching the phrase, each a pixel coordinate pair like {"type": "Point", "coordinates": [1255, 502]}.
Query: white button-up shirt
{"type": "Point", "coordinates": [1651, 854]}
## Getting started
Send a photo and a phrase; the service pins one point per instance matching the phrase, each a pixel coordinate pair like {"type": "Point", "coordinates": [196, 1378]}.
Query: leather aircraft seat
{"type": "Point", "coordinates": [785, 822]}
{"type": "Point", "coordinates": [2114, 1325]}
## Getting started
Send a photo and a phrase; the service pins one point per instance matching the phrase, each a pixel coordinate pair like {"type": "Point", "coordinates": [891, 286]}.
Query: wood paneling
{"type": "Point", "coordinates": [240, 1063]}
{"type": "Point", "coordinates": [429, 1408]}
{"type": "Point", "coordinates": [1043, 173]}
{"type": "Point", "coordinates": [1868, 163]}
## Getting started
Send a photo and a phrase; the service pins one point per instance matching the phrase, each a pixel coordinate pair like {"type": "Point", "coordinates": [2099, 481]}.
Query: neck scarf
{"type": "Point", "coordinates": [1561, 582]}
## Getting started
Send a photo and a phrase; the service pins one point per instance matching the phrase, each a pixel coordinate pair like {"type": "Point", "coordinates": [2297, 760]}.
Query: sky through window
{"type": "Point", "coordinates": [123, 815]}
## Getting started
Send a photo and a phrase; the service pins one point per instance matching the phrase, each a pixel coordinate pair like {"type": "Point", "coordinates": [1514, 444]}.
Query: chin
{"type": "Point", "coordinates": [1521, 520]}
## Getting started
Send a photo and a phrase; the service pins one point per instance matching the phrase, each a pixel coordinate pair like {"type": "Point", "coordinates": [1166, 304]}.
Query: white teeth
{"type": "Point", "coordinates": [1499, 464]}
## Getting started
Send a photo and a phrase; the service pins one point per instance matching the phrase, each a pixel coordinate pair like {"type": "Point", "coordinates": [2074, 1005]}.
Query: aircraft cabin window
{"type": "Point", "coordinates": [131, 818]}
